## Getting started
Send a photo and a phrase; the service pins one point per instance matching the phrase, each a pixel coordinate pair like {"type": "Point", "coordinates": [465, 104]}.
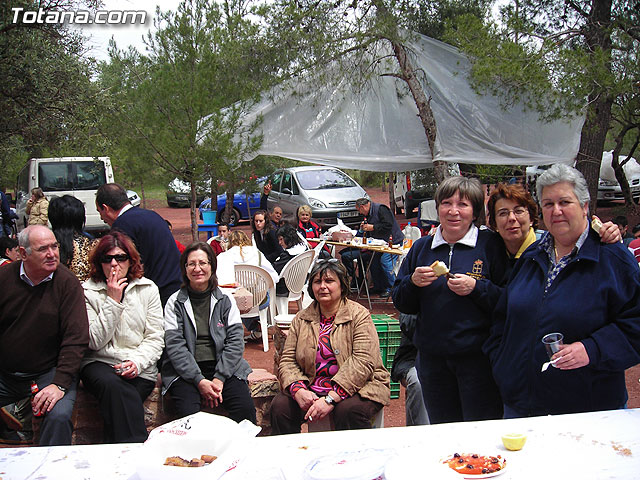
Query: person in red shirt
{"type": "Point", "coordinates": [8, 250]}
{"type": "Point", "coordinates": [180, 246]}
{"type": "Point", "coordinates": [220, 243]}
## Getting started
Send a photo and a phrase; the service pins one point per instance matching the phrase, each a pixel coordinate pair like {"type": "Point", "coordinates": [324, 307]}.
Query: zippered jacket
{"type": "Point", "coordinates": [449, 324]}
{"type": "Point", "coordinates": [595, 300]}
{"type": "Point", "coordinates": [225, 328]}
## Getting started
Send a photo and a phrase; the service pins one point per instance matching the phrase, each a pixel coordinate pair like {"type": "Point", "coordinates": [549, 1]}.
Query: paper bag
{"type": "Point", "coordinates": [244, 299]}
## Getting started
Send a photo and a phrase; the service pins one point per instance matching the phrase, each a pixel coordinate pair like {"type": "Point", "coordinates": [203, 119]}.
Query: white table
{"type": "Point", "coordinates": [598, 445]}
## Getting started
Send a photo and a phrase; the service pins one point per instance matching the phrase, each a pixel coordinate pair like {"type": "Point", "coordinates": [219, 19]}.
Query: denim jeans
{"type": "Point", "coordinates": [382, 270]}
{"type": "Point", "coordinates": [56, 428]}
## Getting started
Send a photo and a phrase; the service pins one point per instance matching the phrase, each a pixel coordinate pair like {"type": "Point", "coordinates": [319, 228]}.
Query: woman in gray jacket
{"type": "Point", "coordinates": [204, 342]}
{"type": "Point", "coordinates": [125, 337]}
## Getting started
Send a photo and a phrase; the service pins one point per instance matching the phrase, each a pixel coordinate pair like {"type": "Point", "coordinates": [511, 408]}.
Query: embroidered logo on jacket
{"type": "Point", "coordinates": [476, 271]}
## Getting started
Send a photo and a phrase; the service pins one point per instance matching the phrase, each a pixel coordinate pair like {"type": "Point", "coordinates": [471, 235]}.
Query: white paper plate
{"type": "Point", "coordinates": [481, 475]}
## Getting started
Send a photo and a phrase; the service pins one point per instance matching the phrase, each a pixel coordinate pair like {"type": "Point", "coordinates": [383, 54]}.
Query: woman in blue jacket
{"type": "Point", "coordinates": [454, 374]}
{"type": "Point", "coordinates": [571, 283]}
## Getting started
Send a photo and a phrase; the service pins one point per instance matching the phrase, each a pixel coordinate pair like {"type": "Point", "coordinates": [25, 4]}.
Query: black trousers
{"type": "Point", "coordinates": [350, 414]}
{"type": "Point", "coordinates": [458, 388]}
{"type": "Point", "coordinates": [236, 398]}
{"type": "Point", "coordinates": [121, 402]}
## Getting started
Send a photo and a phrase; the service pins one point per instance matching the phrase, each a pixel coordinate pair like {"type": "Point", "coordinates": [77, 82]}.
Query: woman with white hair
{"type": "Point", "coordinates": [570, 283]}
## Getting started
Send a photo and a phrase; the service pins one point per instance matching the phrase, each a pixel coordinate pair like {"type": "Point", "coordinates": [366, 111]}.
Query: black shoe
{"type": "Point", "coordinates": [11, 437]}
{"type": "Point", "coordinates": [386, 293]}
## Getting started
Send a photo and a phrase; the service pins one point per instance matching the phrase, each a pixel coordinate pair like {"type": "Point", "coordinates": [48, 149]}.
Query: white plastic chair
{"type": "Point", "coordinates": [295, 276]}
{"type": "Point", "coordinates": [258, 281]}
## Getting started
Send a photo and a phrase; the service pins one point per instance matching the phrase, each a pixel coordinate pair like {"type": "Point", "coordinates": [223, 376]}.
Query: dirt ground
{"type": "Point", "coordinates": [394, 414]}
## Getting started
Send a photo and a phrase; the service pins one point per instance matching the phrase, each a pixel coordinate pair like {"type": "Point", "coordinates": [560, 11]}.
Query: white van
{"type": "Point", "coordinates": [77, 176]}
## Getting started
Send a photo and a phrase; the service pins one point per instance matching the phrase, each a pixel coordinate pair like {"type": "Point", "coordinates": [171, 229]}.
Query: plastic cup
{"type": "Point", "coordinates": [552, 342]}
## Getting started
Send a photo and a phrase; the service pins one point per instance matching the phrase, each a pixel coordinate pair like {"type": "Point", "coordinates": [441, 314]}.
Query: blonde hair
{"type": "Point", "coordinates": [238, 238]}
{"type": "Point", "coordinates": [304, 209]}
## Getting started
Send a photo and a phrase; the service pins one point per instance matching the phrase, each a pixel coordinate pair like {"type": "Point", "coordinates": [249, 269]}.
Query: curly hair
{"type": "Point", "coordinates": [516, 194]}
{"type": "Point", "coordinates": [289, 235]}
{"type": "Point", "coordinates": [115, 239]}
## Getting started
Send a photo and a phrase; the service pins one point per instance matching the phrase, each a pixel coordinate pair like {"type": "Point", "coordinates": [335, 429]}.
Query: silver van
{"type": "Point", "coordinates": [330, 193]}
{"type": "Point", "coordinates": [77, 176]}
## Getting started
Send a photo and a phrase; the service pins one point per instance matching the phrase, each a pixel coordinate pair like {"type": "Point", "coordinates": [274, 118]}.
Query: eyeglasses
{"type": "Point", "coordinates": [327, 260]}
{"type": "Point", "coordinates": [120, 258]}
{"type": "Point", "coordinates": [193, 265]}
{"type": "Point", "coordinates": [504, 213]}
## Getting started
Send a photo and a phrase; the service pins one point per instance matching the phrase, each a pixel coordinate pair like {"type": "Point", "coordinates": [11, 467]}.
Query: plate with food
{"type": "Point", "coordinates": [475, 465]}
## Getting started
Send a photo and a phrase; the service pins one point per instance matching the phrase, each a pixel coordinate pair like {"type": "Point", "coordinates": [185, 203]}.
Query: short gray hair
{"type": "Point", "coordinates": [563, 173]}
{"type": "Point", "coordinates": [362, 201]}
{"type": "Point", "coordinates": [469, 188]}
{"type": "Point", "coordinates": [23, 240]}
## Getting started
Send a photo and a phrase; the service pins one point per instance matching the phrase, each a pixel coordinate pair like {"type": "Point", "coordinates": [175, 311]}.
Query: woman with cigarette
{"type": "Point", "coordinates": [126, 337]}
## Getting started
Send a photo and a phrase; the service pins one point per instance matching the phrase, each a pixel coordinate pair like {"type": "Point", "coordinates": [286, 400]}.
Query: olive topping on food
{"type": "Point", "coordinates": [494, 460]}
{"type": "Point", "coordinates": [456, 455]}
{"type": "Point", "coordinates": [485, 470]}
{"type": "Point", "coordinates": [461, 460]}
{"type": "Point", "coordinates": [475, 455]}
{"type": "Point", "coordinates": [469, 466]}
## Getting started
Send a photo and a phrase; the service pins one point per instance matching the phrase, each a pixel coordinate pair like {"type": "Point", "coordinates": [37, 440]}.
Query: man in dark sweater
{"type": "Point", "coordinates": [44, 333]}
{"type": "Point", "coordinates": [380, 224]}
{"type": "Point", "coordinates": [149, 232]}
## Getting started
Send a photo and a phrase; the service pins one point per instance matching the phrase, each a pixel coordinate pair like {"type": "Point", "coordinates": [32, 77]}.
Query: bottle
{"type": "Point", "coordinates": [34, 390]}
{"type": "Point", "coordinates": [364, 232]}
{"type": "Point", "coordinates": [390, 241]}
{"type": "Point", "coordinates": [408, 238]}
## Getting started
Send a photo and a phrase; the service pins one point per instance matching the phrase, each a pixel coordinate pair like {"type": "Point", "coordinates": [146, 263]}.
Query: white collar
{"type": "Point", "coordinates": [470, 238]}
{"type": "Point", "coordinates": [128, 206]}
{"type": "Point", "coordinates": [28, 281]}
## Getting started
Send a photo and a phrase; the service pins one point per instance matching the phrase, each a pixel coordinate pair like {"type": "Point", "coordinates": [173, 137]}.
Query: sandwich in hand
{"type": "Point", "coordinates": [439, 268]}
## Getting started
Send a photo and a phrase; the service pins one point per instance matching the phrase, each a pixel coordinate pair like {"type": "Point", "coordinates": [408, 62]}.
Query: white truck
{"type": "Point", "coordinates": [76, 176]}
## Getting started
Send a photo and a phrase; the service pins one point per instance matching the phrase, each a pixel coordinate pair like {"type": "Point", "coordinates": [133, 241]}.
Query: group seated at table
{"type": "Point", "coordinates": [331, 361]}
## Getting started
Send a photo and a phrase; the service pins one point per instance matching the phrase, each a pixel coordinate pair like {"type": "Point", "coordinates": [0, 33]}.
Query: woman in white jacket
{"type": "Point", "coordinates": [241, 251]}
{"type": "Point", "coordinates": [126, 337]}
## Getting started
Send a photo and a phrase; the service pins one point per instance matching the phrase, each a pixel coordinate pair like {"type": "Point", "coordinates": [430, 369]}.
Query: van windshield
{"type": "Point", "coordinates": [323, 179]}
{"type": "Point", "coordinates": [59, 176]}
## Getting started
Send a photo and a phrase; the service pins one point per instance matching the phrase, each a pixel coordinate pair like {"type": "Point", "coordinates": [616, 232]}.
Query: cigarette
{"type": "Point", "coordinates": [310, 418]}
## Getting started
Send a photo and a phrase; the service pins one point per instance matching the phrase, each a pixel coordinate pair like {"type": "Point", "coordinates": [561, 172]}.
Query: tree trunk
{"type": "Point", "coordinates": [143, 195]}
{"type": "Point", "coordinates": [596, 125]}
{"type": "Point", "coordinates": [192, 211]}
{"type": "Point", "coordinates": [424, 105]}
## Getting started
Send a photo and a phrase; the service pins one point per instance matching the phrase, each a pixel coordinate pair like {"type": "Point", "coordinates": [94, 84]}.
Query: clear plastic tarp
{"type": "Point", "coordinates": [378, 128]}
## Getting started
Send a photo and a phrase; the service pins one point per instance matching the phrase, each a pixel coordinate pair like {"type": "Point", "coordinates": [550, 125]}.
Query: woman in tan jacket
{"type": "Point", "coordinates": [38, 207]}
{"type": "Point", "coordinates": [331, 360]}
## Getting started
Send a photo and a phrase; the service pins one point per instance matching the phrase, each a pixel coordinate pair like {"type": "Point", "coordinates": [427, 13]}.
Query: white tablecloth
{"type": "Point", "coordinates": [598, 445]}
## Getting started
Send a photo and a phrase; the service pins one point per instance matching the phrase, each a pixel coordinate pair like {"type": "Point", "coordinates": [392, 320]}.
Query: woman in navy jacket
{"type": "Point", "coordinates": [568, 282]}
{"type": "Point", "coordinates": [455, 375]}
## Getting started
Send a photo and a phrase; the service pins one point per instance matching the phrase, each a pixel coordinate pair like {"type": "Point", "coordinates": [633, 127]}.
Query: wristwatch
{"type": "Point", "coordinates": [62, 389]}
{"type": "Point", "coordinates": [329, 399]}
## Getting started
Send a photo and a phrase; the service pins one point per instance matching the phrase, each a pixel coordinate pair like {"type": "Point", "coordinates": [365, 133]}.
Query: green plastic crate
{"type": "Point", "coordinates": [389, 336]}
{"type": "Point", "coordinates": [395, 389]}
